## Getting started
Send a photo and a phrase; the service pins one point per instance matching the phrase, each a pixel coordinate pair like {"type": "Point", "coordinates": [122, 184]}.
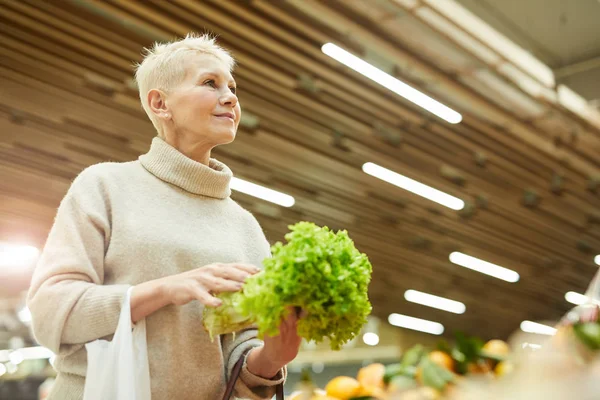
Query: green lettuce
{"type": "Point", "coordinates": [318, 271]}
{"type": "Point", "coordinates": [225, 319]}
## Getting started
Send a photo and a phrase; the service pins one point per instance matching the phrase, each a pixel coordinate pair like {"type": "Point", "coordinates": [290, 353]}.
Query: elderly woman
{"type": "Point", "coordinates": [166, 225]}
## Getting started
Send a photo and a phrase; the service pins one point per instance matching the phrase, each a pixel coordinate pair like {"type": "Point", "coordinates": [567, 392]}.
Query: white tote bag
{"type": "Point", "coordinates": [119, 370]}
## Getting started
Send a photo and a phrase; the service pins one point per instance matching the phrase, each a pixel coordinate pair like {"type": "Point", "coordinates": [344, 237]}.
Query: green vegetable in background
{"type": "Point", "coordinates": [467, 350]}
{"type": "Point", "coordinates": [413, 356]}
{"type": "Point", "coordinates": [408, 365]}
{"type": "Point", "coordinates": [393, 371]}
{"type": "Point", "coordinates": [433, 375]}
{"type": "Point", "coordinates": [400, 383]}
{"type": "Point", "coordinates": [317, 270]}
{"type": "Point", "coordinates": [589, 334]}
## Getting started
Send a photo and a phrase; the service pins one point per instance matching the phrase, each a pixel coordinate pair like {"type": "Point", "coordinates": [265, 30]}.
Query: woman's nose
{"type": "Point", "coordinates": [229, 98]}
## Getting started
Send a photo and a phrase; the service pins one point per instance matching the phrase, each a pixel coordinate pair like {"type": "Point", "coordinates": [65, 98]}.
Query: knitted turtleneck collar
{"type": "Point", "coordinates": [168, 164]}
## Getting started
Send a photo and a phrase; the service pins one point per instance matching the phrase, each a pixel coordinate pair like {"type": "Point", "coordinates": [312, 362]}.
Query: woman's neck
{"type": "Point", "coordinates": [196, 150]}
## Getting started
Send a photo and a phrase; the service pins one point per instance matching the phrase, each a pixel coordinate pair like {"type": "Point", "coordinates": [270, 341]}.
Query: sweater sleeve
{"type": "Point", "coordinates": [248, 386]}
{"type": "Point", "coordinates": [68, 302]}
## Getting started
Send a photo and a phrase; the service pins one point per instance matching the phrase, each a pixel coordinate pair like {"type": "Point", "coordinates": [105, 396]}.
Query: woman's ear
{"type": "Point", "coordinates": [157, 103]}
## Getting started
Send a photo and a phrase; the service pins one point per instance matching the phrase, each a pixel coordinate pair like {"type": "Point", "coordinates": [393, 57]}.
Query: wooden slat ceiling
{"type": "Point", "coordinates": [528, 168]}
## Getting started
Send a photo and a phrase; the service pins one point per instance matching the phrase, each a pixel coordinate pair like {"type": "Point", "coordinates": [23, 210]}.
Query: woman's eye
{"type": "Point", "coordinates": [211, 83]}
{"type": "Point", "coordinates": [233, 89]}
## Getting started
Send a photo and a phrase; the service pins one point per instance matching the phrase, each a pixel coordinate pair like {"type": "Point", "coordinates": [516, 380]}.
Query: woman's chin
{"type": "Point", "coordinates": [224, 138]}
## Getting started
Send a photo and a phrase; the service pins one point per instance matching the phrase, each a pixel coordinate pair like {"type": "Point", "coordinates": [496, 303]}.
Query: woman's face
{"type": "Point", "coordinates": [204, 106]}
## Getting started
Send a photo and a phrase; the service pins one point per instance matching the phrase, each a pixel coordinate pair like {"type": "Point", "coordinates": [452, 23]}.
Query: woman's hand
{"type": "Point", "coordinates": [278, 350]}
{"type": "Point", "coordinates": [202, 283]}
{"type": "Point", "coordinates": [198, 284]}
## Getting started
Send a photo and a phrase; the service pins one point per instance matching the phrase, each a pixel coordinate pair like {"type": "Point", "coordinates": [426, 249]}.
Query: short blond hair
{"type": "Point", "coordinates": [164, 65]}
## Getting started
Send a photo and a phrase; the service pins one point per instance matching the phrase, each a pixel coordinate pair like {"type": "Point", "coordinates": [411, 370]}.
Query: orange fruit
{"type": "Point", "coordinates": [371, 391]}
{"type": "Point", "coordinates": [503, 368]}
{"type": "Point", "coordinates": [497, 348]}
{"type": "Point", "coordinates": [342, 387]}
{"type": "Point", "coordinates": [482, 367]}
{"type": "Point", "coordinates": [442, 359]}
{"type": "Point", "coordinates": [371, 375]}
{"type": "Point", "coordinates": [419, 375]}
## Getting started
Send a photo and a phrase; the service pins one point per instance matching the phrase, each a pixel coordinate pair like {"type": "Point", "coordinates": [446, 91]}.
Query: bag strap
{"type": "Point", "coordinates": [235, 373]}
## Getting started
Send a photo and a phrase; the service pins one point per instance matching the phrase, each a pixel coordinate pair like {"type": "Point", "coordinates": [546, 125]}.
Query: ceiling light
{"type": "Point", "coordinates": [24, 315]}
{"type": "Point", "coordinates": [430, 300]}
{"type": "Point", "coordinates": [27, 353]}
{"type": "Point", "coordinates": [467, 21]}
{"type": "Point", "coordinates": [484, 267]}
{"type": "Point", "coordinates": [13, 255]}
{"type": "Point", "coordinates": [597, 259]}
{"type": "Point", "coordinates": [371, 339]}
{"type": "Point", "coordinates": [540, 329]}
{"type": "Point", "coordinates": [409, 93]}
{"type": "Point", "coordinates": [532, 346]}
{"type": "Point", "coordinates": [416, 324]}
{"type": "Point", "coordinates": [578, 299]}
{"type": "Point", "coordinates": [16, 357]}
{"type": "Point", "coordinates": [2, 369]}
{"type": "Point", "coordinates": [262, 192]}
{"type": "Point", "coordinates": [413, 186]}
{"type": "Point", "coordinates": [36, 353]}
{"type": "Point", "coordinates": [318, 367]}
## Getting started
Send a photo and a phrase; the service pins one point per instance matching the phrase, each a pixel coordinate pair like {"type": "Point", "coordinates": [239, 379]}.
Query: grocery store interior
{"type": "Point", "coordinates": [456, 141]}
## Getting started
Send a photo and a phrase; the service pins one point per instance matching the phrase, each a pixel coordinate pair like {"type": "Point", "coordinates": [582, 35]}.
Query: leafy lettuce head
{"type": "Point", "coordinates": [317, 270]}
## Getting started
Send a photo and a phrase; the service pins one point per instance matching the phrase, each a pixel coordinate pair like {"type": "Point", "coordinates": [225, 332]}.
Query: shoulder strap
{"type": "Point", "coordinates": [235, 373]}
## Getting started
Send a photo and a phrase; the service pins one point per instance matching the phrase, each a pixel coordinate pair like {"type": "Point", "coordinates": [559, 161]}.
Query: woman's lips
{"type": "Point", "coordinates": [225, 116]}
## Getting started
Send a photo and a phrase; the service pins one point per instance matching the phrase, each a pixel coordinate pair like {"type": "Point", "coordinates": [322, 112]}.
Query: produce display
{"type": "Point", "coordinates": [421, 374]}
{"type": "Point", "coordinates": [566, 366]}
{"type": "Point", "coordinates": [318, 271]}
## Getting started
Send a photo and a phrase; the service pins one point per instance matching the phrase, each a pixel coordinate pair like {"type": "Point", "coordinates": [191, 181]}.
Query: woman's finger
{"type": "Point", "coordinates": [231, 273]}
{"type": "Point", "coordinates": [219, 285]}
{"type": "Point", "coordinates": [205, 298]}
{"type": "Point", "coordinates": [292, 317]}
{"type": "Point", "coordinates": [249, 268]}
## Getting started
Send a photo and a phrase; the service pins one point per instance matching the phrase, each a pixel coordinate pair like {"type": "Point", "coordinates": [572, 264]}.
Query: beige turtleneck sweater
{"type": "Point", "coordinates": [122, 224]}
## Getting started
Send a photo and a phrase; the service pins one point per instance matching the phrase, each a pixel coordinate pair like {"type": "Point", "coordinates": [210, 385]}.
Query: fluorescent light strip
{"type": "Point", "coordinates": [416, 324]}
{"type": "Point", "coordinates": [400, 88]}
{"type": "Point", "coordinates": [540, 329]}
{"type": "Point", "coordinates": [16, 357]}
{"type": "Point", "coordinates": [578, 299]}
{"type": "Point", "coordinates": [262, 192]}
{"type": "Point", "coordinates": [413, 186]}
{"type": "Point", "coordinates": [27, 353]}
{"type": "Point", "coordinates": [478, 28]}
{"type": "Point", "coordinates": [430, 300]}
{"type": "Point", "coordinates": [597, 259]}
{"type": "Point", "coordinates": [532, 346]}
{"type": "Point", "coordinates": [484, 267]}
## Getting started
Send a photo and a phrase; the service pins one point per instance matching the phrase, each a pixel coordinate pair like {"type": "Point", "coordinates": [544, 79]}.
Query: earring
{"type": "Point", "coordinates": [167, 116]}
